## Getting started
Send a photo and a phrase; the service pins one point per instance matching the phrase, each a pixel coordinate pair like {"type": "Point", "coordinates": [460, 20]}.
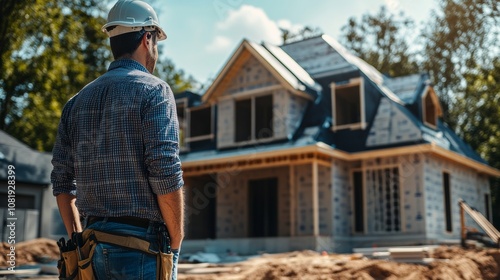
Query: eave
{"type": "Point", "coordinates": [324, 155]}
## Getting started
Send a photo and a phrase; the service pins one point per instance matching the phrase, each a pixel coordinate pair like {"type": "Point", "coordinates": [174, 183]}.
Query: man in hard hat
{"type": "Point", "coordinates": [116, 157]}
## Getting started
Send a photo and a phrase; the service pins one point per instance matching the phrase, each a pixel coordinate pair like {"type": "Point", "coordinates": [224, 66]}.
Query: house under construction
{"type": "Point", "coordinates": [305, 146]}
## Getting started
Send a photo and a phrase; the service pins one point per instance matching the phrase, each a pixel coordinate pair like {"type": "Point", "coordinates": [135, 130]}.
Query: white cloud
{"type": "Point", "coordinates": [247, 22]}
{"type": "Point", "coordinates": [219, 43]}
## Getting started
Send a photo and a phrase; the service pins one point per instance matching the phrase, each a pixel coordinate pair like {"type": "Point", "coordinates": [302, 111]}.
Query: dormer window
{"type": "Point", "coordinates": [254, 118]}
{"type": "Point", "coordinates": [201, 123]}
{"type": "Point", "coordinates": [348, 105]}
{"type": "Point", "coordinates": [431, 109]}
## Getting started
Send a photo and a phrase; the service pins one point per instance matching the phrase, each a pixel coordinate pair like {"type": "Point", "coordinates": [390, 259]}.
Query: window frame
{"type": "Point", "coordinates": [428, 95]}
{"type": "Point", "coordinates": [351, 83]}
{"type": "Point", "coordinates": [209, 136]}
{"type": "Point", "coordinates": [353, 202]}
{"type": "Point", "coordinates": [365, 198]}
{"type": "Point", "coordinates": [253, 136]}
{"type": "Point", "coordinates": [447, 201]}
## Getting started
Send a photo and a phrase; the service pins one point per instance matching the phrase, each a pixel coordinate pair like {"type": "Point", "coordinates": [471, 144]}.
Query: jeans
{"type": "Point", "coordinates": [114, 262]}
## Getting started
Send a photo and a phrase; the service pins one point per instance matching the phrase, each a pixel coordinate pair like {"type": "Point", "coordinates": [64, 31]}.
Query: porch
{"type": "Point", "coordinates": [270, 203]}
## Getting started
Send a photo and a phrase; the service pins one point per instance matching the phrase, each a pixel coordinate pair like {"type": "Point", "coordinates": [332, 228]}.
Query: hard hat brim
{"type": "Point", "coordinates": [125, 27]}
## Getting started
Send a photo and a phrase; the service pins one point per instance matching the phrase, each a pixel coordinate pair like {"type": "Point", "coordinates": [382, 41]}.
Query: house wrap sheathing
{"type": "Point", "coordinates": [305, 146]}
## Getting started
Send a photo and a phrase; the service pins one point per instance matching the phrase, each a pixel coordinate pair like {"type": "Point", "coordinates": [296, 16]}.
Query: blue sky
{"type": "Point", "coordinates": [202, 34]}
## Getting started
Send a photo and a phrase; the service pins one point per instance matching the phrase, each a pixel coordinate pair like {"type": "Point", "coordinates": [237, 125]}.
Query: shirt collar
{"type": "Point", "coordinates": [127, 63]}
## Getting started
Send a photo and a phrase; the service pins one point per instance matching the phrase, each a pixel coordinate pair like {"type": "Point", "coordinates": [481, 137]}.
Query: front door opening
{"type": "Point", "coordinates": [263, 207]}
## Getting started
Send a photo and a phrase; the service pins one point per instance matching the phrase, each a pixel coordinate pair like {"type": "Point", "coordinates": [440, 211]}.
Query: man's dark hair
{"type": "Point", "coordinates": [127, 43]}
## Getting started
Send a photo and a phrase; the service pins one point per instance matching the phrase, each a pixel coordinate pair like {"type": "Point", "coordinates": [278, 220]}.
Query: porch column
{"type": "Point", "coordinates": [315, 200]}
{"type": "Point", "coordinates": [293, 200]}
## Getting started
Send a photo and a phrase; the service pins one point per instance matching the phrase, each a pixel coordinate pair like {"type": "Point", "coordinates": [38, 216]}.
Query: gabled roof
{"type": "Point", "coordinates": [294, 68]}
{"type": "Point", "coordinates": [30, 166]}
{"type": "Point", "coordinates": [396, 124]}
{"type": "Point", "coordinates": [277, 62]}
{"type": "Point", "coordinates": [323, 56]}
{"type": "Point", "coordinates": [406, 87]}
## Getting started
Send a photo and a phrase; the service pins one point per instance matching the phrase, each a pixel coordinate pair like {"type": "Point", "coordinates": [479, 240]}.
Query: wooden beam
{"type": "Point", "coordinates": [293, 200]}
{"type": "Point", "coordinates": [463, 229]}
{"type": "Point", "coordinates": [315, 198]}
{"type": "Point", "coordinates": [255, 161]}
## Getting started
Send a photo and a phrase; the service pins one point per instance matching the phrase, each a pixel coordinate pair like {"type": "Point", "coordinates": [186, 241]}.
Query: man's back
{"type": "Point", "coordinates": [116, 156]}
{"type": "Point", "coordinates": [113, 127]}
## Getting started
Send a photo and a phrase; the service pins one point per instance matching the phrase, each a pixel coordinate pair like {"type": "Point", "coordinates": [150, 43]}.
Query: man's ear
{"type": "Point", "coordinates": [146, 39]}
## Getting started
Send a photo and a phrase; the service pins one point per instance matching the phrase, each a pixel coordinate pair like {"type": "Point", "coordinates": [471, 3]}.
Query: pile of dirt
{"type": "Point", "coordinates": [465, 264]}
{"type": "Point", "coordinates": [30, 252]}
{"type": "Point", "coordinates": [450, 263]}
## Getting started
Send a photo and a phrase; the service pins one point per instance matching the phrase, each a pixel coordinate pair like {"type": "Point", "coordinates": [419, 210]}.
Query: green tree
{"type": "Point", "coordinates": [480, 120]}
{"type": "Point", "coordinates": [382, 41]}
{"type": "Point", "coordinates": [51, 49]}
{"type": "Point", "coordinates": [58, 48]}
{"type": "Point", "coordinates": [459, 47]}
{"type": "Point", "coordinates": [462, 50]}
{"type": "Point", "coordinates": [11, 15]}
{"type": "Point", "coordinates": [460, 36]}
{"type": "Point", "coordinates": [176, 78]}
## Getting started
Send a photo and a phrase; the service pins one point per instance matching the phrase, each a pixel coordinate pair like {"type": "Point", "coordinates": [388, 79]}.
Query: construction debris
{"type": "Point", "coordinates": [445, 263]}
{"type": "Point", "coordinates": [448, 262]}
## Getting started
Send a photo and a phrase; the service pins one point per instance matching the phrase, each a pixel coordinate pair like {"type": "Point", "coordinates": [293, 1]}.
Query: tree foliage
{"type": "Point", "coordinates": [459, 37]}
{"type": "Point", "coordinates": [382, 41]}
{"type": "Point", "coordinates": [176, 78]}
{"type": "Point", "coordinates": [458, 46]}
{"type": "Point", "coordinates": [462, 50]}
{"type": "Point", "coordinates": [58, 48]}
{"type": "Point", "coordinates": [479, 121]}
{"type": "Point", "coordinates": [50, 49]}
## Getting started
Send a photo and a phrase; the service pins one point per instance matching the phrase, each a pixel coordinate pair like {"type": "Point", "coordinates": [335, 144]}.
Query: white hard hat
{"type": "Point", "coordinates": [130, 16]}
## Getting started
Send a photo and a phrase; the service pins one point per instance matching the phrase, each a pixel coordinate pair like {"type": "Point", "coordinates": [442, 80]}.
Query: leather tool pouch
{"type": "Point", "coordinates": [67, 265]}
{"type": "Point", "coordinates": [76, 257]}
{"type": "Point", "coordinates": [164, 266]}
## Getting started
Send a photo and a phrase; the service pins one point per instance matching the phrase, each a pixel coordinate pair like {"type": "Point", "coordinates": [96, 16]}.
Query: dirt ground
{"type": "Point", "coordinates": [450, 262]}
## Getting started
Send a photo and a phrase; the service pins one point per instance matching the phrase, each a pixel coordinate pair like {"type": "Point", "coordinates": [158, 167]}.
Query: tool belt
{"type": "Point", "coordinates": [75, 262]}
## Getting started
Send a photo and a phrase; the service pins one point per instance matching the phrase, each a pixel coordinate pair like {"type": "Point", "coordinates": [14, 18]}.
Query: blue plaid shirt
{"type": "Point", "coordinates": [117, 144]}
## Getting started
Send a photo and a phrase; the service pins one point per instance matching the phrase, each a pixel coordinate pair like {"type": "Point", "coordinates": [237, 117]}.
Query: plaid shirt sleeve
{"type": "Point", "coordinates": [63, 174]}
{"type": "Point", "coordinates": [161, 141]}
